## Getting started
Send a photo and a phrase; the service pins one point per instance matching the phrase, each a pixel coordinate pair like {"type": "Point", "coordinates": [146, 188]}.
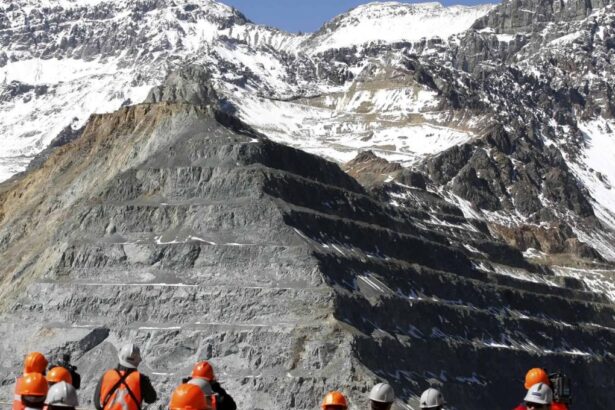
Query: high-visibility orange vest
{"type": "Point", "coordinates": [124, 395]}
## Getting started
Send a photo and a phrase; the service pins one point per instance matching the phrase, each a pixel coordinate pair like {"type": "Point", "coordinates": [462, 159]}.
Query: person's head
{"type": "Point", "coordinates": [432, 399]}
{"type": "Point", "coordinates": [539, 397]}
{"type": "Point", "coordinates": [202, 384]}
{"type": "Point", "coordinates": [203, 370]}
{"type": "Point", "coordinates": [188, 397]}
{"type": "Point", "coordinates": [33, 389]}
{"type": "Point", "coordinates": [35, 362]}
{"type": "Point", "coordinates": [62, 396]}
{"type": "Point", "coordinates": [129, 356]}
{"type": "Point", "coordinates": [59, 374]}
{"type": "Point", "coordinates": [535, 376]}
{"type": "Point", "coordinates": [334, 400]}
{"type": "Point", "coordinates": [381, 397]}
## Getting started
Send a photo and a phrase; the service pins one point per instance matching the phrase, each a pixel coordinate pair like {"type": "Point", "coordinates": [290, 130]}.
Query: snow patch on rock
{"type": "Point", "coordinates": [391, 22]}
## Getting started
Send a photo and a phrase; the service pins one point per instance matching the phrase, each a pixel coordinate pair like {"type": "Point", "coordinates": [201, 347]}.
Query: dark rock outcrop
{"type": "Point", "coordinates": [369, 169]}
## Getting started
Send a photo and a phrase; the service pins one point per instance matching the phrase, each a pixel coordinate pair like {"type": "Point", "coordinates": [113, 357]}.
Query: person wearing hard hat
{"type": "Point", "coordinates": [334, 400]}
{"type": "Point", "coordinates": [31, 390]}
{"type": "Point", "coordinates": [188, 397]}
{"type": "Point", "coordinates": [535, 376]}
{"type": "Point", "coordinates": [65, 363]}
{"type": "Point", "coordinates": [539, 397]}
{"type": "Point", "coordinates": [124, 387]}
{"type": "Point", "coordinates": [210, 397]}
{"type": "Point", "coordinates": [204, 370]}
{"type": "Point", "coordinates": [432, 399]}
{"type": "Point", "coordinates": [34, 362]}
{"type": "Point", "coordinates": [59, 374]}
{"type": "Point", "coordinates": [62, 396]}
{"type": "Point", "coordinates": [381, 397]}
{"type": "Point", "coordinates": [532, 377]}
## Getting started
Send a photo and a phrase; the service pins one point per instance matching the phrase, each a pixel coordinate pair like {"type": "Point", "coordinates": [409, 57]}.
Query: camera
{"type": "Point", "coordinates": [561, 385]}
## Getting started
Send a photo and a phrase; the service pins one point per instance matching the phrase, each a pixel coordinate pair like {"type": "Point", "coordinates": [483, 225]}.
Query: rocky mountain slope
{"type": "Point", "coordinates": [62, 60]}
{"type": "Point", "coordinates": [506, 122]}
{"type": "Point", "coordinates": [173, 224]}
{"type": "Point", "coordinates": [477, 220]}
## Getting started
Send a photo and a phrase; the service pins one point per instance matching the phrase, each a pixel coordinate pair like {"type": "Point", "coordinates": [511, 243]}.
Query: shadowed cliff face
{"type": "Point", "coordinates": [175, 226]}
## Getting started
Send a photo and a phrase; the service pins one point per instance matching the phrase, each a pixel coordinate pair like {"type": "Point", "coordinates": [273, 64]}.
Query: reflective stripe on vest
{"type": "Point", "coordinates": [213, 402]}
{"type": "Point", "coordinates": [120, 398]}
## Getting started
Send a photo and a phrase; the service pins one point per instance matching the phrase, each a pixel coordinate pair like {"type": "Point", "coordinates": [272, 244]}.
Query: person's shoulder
{"type": "Point", "coordinates": [106, 372]}
{"type": "Point", "coordinates": [145, 378]}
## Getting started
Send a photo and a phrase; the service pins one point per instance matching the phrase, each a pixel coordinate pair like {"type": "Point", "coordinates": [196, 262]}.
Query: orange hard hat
{"type": "Point", "coordinates": [34, 362]}
{"type": "Point", "coordinates": [32, 384]}
{"type": "Point", "coordinates": [203, 370]}
{"type": "Point", "coordinates": [335, 399]}
{"type": "Point", "coordinates": [535, 376]}
{"type": "Point", "coordinates": [188, 397]}
{"type": "Point", "coordinates": [59, 374]}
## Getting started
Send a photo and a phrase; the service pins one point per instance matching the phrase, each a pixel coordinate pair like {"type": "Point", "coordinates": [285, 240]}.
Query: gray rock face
{"type": "Point", "coordinates": [94, 31]}
{"type": "Point", "coordinates": [181, 250]}
{"type": "Point", "coordinates": [514, 73]}
{"type": "Point", "coordinates": [175, 226]}
{"type": "Point", "coordinates": [514, 16]}
{"type": "Point", "coordinates": [509, 81]}
{"type": "Point", "coordinates": [188, 85]}
{"type": "Point", "coordinates": [68, 134]}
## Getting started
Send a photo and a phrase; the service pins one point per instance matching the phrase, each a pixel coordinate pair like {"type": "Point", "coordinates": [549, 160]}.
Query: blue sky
{"type": "Point", "coordinates": [305, 15]}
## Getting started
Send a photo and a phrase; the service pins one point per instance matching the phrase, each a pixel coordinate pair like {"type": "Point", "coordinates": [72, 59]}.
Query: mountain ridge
{"type": "Point", "coordinates": [117, 63]}
{"type": "Point", "coordinates": [194, 224]}
{"type": "Point", "coordinates": [155, 251]}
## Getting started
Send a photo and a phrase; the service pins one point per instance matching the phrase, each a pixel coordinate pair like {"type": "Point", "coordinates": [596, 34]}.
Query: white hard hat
{"type": "Point", "coordinates": [539, 393]}
{"type": "Point", "coordinates": [203, 385]}
{"type": "Point", "coordinates": [431, 398]}
{"type": "Point", "coordinates": [62, 394]}
{"type": "Point", "coordinates": [129, 356]}
{"type": "Point", "coordinates": [383, 393]}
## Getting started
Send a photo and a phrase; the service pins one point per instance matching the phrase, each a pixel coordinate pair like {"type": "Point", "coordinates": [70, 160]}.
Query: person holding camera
{"type": "Point", "coordinates": [64, 363]}
{"type": "Point", "coordinates": [205, 371]}
{"type": "Point", "coordinates": [559, 386]}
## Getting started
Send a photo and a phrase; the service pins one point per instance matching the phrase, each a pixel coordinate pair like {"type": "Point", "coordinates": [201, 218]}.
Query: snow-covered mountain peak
{"type": "Point", "coordinates": [29, 12]}
{"type": "Point", "coordinates": [393, 22]}
{"type": "Point", "coordinates": [378, 9]}
{"type": "Point", "coordinates": [375, 8]}
{"type": "Point", "coordinates": [66, 4]}
{"type": "Point", "coordinates": [125, 3]}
